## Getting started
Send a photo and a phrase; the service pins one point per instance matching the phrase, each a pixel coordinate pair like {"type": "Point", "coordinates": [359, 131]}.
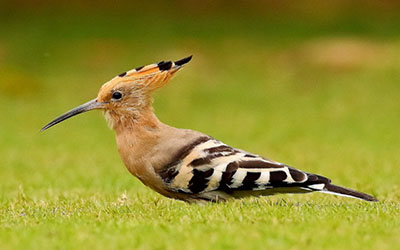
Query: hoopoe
{"type": "Point", "coordinates": [185, 164]}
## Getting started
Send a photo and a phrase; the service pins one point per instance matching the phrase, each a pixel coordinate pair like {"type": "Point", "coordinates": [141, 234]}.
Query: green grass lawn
{"type": "Point", "coordinates": [317, 97]}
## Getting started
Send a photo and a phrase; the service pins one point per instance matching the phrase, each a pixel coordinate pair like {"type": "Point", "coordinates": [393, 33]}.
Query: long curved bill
{"type": "Point", "coordinates": [93, 104]}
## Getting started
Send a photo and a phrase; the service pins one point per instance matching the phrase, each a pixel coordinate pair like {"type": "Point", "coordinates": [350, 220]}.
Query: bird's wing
{"type": "Point", "coordinates": [210, 165]}
{"type": "Point", "coordinates": [207, 166]}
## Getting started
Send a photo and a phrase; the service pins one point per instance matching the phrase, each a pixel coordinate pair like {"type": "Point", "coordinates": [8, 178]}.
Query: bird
{"type": "Point", "coordinates": [184, 164]}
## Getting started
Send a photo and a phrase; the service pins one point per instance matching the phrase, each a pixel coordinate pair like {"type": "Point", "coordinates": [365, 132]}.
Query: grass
{"type": "Point", "coordinates": [323, 100]}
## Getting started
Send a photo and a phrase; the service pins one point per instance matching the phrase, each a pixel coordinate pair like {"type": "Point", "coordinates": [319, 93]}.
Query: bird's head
{"type": "Point", "coordinates": [127, 95]}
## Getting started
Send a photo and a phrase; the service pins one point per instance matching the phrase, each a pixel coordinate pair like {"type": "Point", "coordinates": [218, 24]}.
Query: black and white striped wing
{"type": "Point", "coordinates": [209, 165]}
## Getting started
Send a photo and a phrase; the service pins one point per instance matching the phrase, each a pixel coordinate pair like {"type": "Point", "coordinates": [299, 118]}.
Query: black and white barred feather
{"type": "Point", "coordinates": [211, 170]}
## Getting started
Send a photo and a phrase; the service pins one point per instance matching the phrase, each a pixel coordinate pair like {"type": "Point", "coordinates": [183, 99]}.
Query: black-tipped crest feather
{"type": "Point", "coordinates": [164, 65]}
{"type": "Point", "coordinates": [183, 61]}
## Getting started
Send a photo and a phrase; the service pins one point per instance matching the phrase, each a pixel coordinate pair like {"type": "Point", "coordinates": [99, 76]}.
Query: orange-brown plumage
{"type": "Point", "coordinates": [186, 164]}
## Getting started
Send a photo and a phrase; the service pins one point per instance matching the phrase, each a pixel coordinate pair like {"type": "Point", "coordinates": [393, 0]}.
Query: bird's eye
{"type": "Point", "coordinates": [117, 95]}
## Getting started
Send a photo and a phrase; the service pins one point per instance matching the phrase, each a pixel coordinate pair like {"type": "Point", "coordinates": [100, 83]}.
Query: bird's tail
{"type": "Point", "coordinates": [341, 191]}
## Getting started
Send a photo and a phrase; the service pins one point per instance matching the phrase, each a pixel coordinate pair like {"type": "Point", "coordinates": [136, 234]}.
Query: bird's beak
{"type": "Point", "coordinates": [93, 104]}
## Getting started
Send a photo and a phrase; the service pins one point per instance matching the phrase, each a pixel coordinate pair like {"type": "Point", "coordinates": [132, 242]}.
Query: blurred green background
{"type": "Point", "coordinates": [314, 84]}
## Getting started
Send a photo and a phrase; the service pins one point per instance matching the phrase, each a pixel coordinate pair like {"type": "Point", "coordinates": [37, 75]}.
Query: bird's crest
{"type": "Point", "coordinates": [146, 78]}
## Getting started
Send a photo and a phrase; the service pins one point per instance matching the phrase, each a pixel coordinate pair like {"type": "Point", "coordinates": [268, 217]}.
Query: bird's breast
{"type": "Point", "coordinates": [139, 160]}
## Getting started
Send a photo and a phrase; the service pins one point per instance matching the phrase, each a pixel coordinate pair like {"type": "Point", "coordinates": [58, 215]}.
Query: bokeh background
{"type": "Point", "coordinates": [314, 84]}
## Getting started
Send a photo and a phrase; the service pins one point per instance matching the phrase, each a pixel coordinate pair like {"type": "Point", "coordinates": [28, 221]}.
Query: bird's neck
{"type": "Point", "coordinates": [138, 139]}
{"type": "Point", "coordinates": [137, 132]}
{"type": "Point", "coordinates": [132, 121]}
{"type": "Point", "coordinates": [146, 144]}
